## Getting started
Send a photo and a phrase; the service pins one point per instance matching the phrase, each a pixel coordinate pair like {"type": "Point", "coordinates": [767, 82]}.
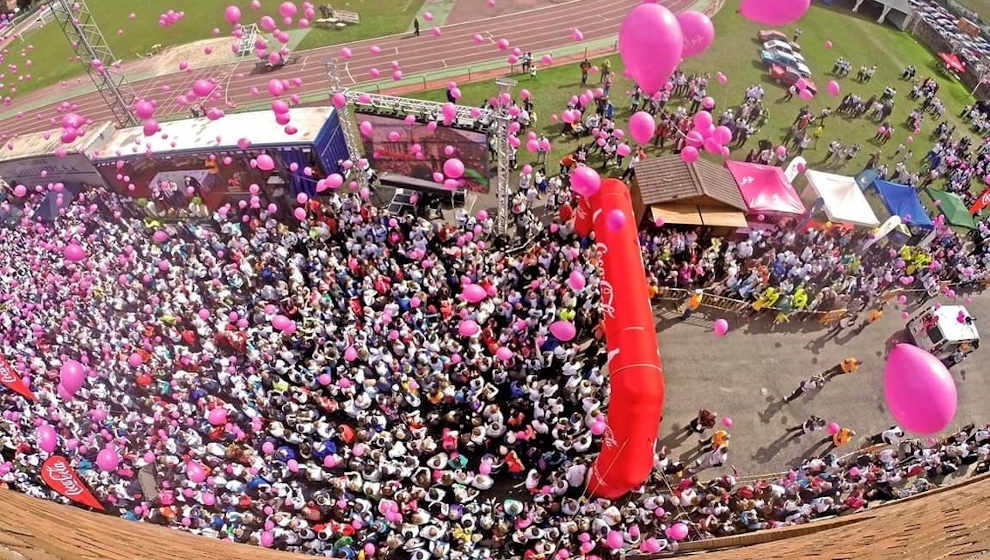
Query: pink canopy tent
{"type": "Point", "coordinates": [765, 189]}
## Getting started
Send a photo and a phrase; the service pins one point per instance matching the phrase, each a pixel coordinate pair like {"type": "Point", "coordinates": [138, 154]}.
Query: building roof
{"type": "Point", "coordinates": [201, 133]}
{"type": "Point", "coordinates": [45, 143]}
{"type": "Point", "coordinates": [668, 179]}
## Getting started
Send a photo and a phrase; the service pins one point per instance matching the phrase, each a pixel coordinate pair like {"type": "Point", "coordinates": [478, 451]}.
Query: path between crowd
{"type": "Point", "coordinates": [539, 30]}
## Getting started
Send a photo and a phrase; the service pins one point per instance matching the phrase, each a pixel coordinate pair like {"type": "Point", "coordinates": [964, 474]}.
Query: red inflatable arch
{"type": "Point", "coordinates": [635, 370]}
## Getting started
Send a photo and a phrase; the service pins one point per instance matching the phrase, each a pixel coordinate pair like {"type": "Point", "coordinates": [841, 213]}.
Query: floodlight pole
{"type": "Point", "coordinates": [502, 120]}
{"type": "Point", "coordinates": [86, 39]}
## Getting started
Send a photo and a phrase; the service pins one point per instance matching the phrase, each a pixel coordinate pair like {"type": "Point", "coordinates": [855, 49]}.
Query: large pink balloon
{"type": "Point", "coordinates": [107, 459]}
{"type": "Point", "coordinates": [73, 253]}
{"type": "Point", "coordinates": [47, 438]}
{"type": "Point", "coordinates": [473, 293]}
{"type": "Point", "coordinates": [642, 126]}
{"type": "Point", "coordinates": [698, 32]}
{"type": "Point", "coordinates": [453, 168]}
{"type": "Point", "coordinates": [72, 374]}
{"type": "Point", "coordinates": [265, 162]}
{"type": "Point", "coordinates": [651, 45]}
{"type": "Point", "coordinates": [563, 330]}
{"type": "Point", "coordinates": [585, 181]}
{"type": "Point", "coordinates": [919, 390]}
{"type": "Point", "coordinates": [774, 12]}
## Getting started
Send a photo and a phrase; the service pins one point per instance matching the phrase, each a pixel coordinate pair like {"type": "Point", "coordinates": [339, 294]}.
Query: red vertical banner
{"type": "Point", "coordinates": [62, 478]}
{"type": "Point", "coordinates": [981, 202]}
{"type": "Point", "coordinates": [634, 367]}
{"type": "Point", "coordinates": [12, 381]}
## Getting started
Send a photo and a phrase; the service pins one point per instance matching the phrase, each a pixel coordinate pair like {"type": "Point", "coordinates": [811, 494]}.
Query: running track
{"type": "Point", "coordinates": [538, 30]}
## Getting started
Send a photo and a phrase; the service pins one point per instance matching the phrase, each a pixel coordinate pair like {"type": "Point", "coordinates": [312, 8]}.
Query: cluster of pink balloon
{"type": "Point", "coordinates": [652, 42]}
{"type": "Point", "coordinates": [170, 18]}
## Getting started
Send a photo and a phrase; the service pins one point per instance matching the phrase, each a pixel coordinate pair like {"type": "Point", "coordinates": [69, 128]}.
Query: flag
{"type": "Point", "coordinates": [12, 381]}
{"type": "Point", "coordinates": [62, 478]}
{"type": "Point", "coordinates": [981, 202]}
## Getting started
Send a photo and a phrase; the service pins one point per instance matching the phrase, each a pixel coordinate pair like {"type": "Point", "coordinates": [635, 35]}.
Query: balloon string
{"type": "Point", "coordinates": [584, 494]}
{"type": "Point", "coordinates": [679, 506]}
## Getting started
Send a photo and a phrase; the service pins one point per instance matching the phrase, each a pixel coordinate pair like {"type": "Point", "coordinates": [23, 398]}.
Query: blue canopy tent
{"type": "Point", "coordinates": [902, 200]}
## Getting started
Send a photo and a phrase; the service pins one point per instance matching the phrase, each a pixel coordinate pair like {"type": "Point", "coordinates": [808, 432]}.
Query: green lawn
{"type": "Point", "coordinates": [735, 53]}
{"type": "Point", "coordinates": [378, 18]}
{"type": "Point", "coordinates": [52, 59]}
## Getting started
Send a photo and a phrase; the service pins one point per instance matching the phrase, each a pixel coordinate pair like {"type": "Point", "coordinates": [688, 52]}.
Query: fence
{"type": "Point", "coordinates": [738, 306]}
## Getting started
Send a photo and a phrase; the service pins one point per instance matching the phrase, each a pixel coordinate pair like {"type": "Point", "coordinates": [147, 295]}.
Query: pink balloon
{"type": "Point", "coordinates": [453, 168]}
{"type": "Point", "coordinates": [563, 330]}
{"type": "Point", "coordinates": [615, 219]}
{"type": "Point", "coordinates": [727, 421]}
{"type": "Point", "coordinates": [217, 416]}
{"type": "Point", "coordinates": [774, 12]}
{"type": "Point", "coordinates": [585, 181]}
{"type": "Point", "coordinates": [47, 438]}
{"type": "Point", "coordinates": [642, 126]}
{"type": "Point", "coordinates": [677, 531]}
{"type": "Point", "coordinates": [265, 162]}
{"type": "Point", "coordinates": [651, 45]}
{"type": "Point", "coordinates": [576, 280]}
{"type": "Point", "coordinates": [614, 540]}
{"type": "Point", "coordinates": [697, 30]}
{"type": "Point", "coordinates": [828, 44]}
{"type": "Point", "coordinates": [232, 14]}
{"type": "Point", "coordinates": [722, 134]}
{"type": "Point", "coordinates": [107, 459]}
{"type": "Point", "coordinates": [468, 328]}
{"type": "Point", "coordinates": [689, 154]}
{"type": "Point", "coordinates": [833, 87]}
{"type": "Point", "coordinates": [833, 428]}
{"type": "Point", "coordinates": [702, 120]}
{"type": "Point", "coordinates": [720, 326]}
{"type": "Point", "coordinates": [72, 375]}
{"type": "Point", "coordinates": [473, 293]}
{"type": "Point", "coordinates": [919, 390]}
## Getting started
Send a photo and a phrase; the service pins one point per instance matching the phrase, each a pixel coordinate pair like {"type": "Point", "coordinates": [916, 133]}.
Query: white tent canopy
{"type": "Point", "coordinates": [843, 201]}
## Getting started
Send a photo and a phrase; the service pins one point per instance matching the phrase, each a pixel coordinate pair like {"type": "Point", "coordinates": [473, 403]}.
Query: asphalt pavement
{"type": "Point", "coordinates": [746, 374]}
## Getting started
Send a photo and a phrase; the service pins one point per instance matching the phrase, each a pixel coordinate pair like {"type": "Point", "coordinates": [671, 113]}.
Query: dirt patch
{"type": "Point", "coordinates": [471, 10]}
{"type": "Point", "coordinates": [167, 61]}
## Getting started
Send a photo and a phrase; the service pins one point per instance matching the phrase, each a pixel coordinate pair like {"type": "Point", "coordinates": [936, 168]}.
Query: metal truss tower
{"type": "Point", "coordinates": [502, 120]}
{"type": "Point", "coordinates": [348, 124]}
{"type": "Point", "coordinates": [85, 38]}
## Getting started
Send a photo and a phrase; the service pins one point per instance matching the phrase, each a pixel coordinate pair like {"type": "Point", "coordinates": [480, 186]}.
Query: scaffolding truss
{"type": "Point", "coordinates": [86, 39]}
{"type": "Point", "coordinates": [431, 111]}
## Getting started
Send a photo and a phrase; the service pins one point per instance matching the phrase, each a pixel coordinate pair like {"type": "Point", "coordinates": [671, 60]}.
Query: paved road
{"type": "Point", "coordinates": [743, 374]}
{"type": "Point", "coordinates": [538, 30]}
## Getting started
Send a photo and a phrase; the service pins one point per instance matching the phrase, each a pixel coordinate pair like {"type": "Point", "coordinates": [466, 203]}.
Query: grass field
{"type": "Point", "coordinates": [735, 52]}
{"type": "Point", "coordinates": [52, 59]}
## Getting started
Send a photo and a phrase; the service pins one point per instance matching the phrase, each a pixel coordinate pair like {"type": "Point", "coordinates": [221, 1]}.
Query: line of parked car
{"type": "Point", "coordinates": [783, 59]}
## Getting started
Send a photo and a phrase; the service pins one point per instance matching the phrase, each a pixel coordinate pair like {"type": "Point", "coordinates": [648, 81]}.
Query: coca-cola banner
{"type": "Point", "coordinates": [12, 381]}
{"type": "Point", "coordinates": [62, 478]}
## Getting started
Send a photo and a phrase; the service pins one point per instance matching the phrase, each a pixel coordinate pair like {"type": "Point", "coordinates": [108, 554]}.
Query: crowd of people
{"type": "Point", "coordinates": [317, 369]}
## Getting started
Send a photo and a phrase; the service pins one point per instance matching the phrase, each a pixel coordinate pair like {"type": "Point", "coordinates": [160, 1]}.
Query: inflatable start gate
{"type": "Point", "coordinates": [635, 371]}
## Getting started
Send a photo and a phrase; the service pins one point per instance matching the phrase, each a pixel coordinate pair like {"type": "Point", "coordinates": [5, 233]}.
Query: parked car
{"type": "Point", "coordinates": [771, 35]}
{"type": "Point", "coordinates": [783, 45]}
{"type": "Point", "coordinates": [787, 76]}
{"type": "Point", "coordinates": [788, 60]}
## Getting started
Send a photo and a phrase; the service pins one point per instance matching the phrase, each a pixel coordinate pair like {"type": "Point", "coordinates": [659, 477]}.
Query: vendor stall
{"type": "Point", "coordinates": [953, 208]}
{"type": "Point", "coordinates": [698, 193]}
{"type": "Point", "coordinates": [765, 189]}
{"type": "Point", "coordinates": [840, 197]}
{"type": "Point", "coordinates": [902, 200]}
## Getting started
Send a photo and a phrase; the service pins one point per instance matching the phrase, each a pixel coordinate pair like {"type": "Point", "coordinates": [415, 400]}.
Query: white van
{"type": "Point", "coordinates": [949, 332]}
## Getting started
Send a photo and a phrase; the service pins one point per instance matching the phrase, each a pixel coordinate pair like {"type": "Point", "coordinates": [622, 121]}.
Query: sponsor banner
{"type": "Point", "coordinates": [12, 381]}
{"type": "Point", "coordinates": [62, 478]}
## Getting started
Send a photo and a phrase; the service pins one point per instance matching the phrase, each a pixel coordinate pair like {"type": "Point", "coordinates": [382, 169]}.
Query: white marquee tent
{"type": "Point", "coordinates": [842, 200]}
